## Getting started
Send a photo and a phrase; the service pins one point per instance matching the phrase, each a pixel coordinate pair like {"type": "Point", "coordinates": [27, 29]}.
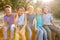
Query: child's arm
{"type": "Point", "coordinates": [54, 24]}
{"type": "Point", "coordinates": [15, 21]}
{"type": "Point", "coordinates": [34, 23]}
{"type": "Point", "coordinates": [5, 23]}
{"type": "Point", "coordinates": [25, 22]}
{"type": "Point", "coordinates": [1, 26]}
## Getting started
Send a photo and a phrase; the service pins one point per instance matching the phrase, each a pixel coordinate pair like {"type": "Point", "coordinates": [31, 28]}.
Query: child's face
{"type": "Point", "coordinates": [20, 11]}
{"type": "Point", "coordinates": [30, 10]}
{"type": "Point", "coordinates": [8, 11]}
{"type": "Point", "coordinates": [38, 11]}
{"type": "Point", "coordinates": [45, 10]}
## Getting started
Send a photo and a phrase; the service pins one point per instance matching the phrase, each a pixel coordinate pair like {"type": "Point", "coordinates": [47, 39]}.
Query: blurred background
{"type": "Point", "coordinates": [54, 5]}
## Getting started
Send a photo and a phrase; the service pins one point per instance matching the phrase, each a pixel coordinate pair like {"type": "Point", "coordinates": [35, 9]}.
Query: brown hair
{"type": "Point", "coordinates": [21, 7]}
{"type": "Point", "coordinates": [7, 6]}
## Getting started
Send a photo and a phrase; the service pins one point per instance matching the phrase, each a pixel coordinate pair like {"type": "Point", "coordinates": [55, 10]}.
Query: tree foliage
{"type": "Point", "coordinates": [55, 8]}
{"type": "Point", "coordinates": [13, 3]}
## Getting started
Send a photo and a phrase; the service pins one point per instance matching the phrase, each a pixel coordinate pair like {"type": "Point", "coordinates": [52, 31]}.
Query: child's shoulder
{"type": "Point", "coordinates": [12, 14]}
{"type": "Point", "coordinates": [41, 14]}
{"type": "Point", "coordinates": [49, 14]}
{"type": "Point", "coordinates": [5, 16]}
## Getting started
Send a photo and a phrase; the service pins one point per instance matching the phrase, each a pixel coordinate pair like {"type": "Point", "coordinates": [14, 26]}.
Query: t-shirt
{"type": "Point", "coordinates": [9, 19]}
{"type": "Point", "coordinates": [47, 19]}
{"type": "Point", "coordinates": [21, 20]}
{"type": "Point", "coordinates": [30, 18]}
{"type": "Point", "coordinates": [39, 21]}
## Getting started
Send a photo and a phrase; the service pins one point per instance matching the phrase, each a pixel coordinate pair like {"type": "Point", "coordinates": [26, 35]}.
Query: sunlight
{"type": "Point", "coordinates": [46, 1]}
{"type": "Point", "coordinates": [34, 1]}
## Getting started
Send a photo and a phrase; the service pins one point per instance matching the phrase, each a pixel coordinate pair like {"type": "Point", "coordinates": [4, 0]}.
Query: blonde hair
{"type": "Point", "coordinates": [30, 7]}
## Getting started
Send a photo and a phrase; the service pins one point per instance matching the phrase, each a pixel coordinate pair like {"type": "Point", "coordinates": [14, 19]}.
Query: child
{"type": "Point", "coordinates": [21, 22]}
{"type": "Point", "coordinates": [8, 22]}
{"type": "Point", "coordinates": [30, 18]}
{"type": "Point", "coordinates": [41, 32]}
{"type": "Point", "coordinates": [48, 23]}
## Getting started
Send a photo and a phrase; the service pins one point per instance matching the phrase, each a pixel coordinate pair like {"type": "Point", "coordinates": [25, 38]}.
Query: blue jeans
{"type": "Point", "coordinates": [12, 31]}
{"type": "Point", "coordinates": [41, 34]}
{"type": "Point", "coordinates": [29, 27]}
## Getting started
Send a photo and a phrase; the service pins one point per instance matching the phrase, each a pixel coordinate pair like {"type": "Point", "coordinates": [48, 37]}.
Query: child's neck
{"type": "Point", "coordinates": [19, 15]}
{"type": "Point", "coordinates": [45, 12]}
{"type": "Point", "coordinates": [8, 14]}
{"type": "Point", "coordinates": [30, 13]}
{"type": "Point", "coordinates": [38, 14]}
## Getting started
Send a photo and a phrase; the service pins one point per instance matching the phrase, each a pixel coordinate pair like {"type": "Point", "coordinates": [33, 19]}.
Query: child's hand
{"type": "Point", "coordinates": [4, 29]}
{"type": "Point", "coordinates": [16, 27]}
{"type": "Point", "coordinates": [22, 30]}
{"type": "Point", "coordinates": [17, 30]}
{"type": "Point", "coordinates": [36, 29]}
{"type": "Point", "coordinates": [58, 26]}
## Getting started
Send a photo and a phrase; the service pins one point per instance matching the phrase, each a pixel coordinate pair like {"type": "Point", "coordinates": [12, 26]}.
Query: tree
{"type": "Point", "coordinates": [13, 3]}
{"type": "Point", "coordinates": [56, 9]}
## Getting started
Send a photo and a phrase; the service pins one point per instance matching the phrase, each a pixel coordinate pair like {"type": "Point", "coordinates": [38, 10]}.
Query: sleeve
{"type": "Point", "coordinates": [5, 19]}
{"type": "Point", "coordinates": [13, 15]}
{"type": "Point", "coordinates": [51, 17]}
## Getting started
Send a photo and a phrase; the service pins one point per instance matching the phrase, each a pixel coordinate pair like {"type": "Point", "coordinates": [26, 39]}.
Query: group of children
{"type": "Point", "coordinates": [41, 21]}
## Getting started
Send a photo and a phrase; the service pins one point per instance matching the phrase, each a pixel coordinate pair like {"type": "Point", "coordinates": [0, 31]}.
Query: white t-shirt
{"type": "Point", "coordinates": [21, 20]}
{"type": "Point", "coordinates": [47, 19]}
